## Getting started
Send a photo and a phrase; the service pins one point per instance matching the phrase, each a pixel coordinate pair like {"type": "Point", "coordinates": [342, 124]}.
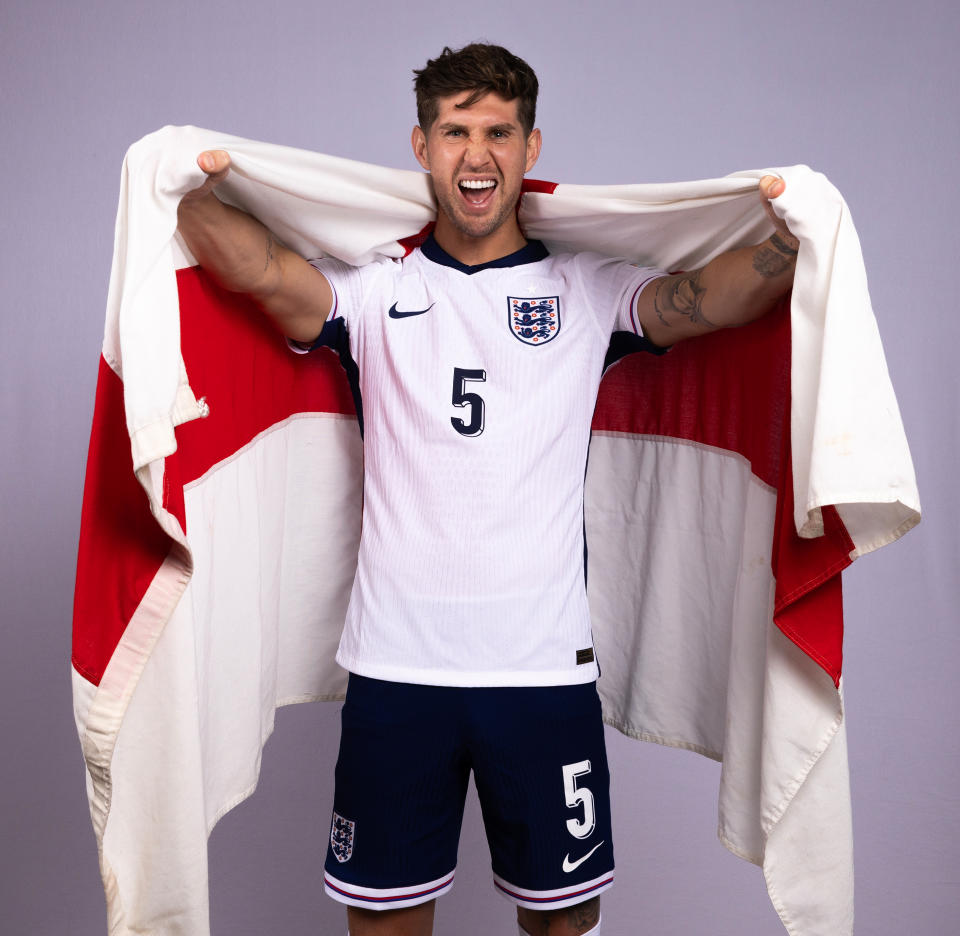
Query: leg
{"type": "Point", "coordinates": [409, 921]}
{"type": "Point", "coordinates": [577, 920]}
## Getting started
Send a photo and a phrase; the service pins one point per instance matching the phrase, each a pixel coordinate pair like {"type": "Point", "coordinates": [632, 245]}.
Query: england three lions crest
{"type": "Point", "coordinates": [534, 321]}
{"type": "Point", "coordinates": [341, 837]}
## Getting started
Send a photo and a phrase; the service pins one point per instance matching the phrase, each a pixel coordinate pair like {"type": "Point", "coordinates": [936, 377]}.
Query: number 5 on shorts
{"type": "Point", "coordinates": [576, 795]}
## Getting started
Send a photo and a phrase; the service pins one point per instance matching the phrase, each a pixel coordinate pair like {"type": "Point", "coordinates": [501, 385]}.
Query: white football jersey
{"type": "Point", "coordinates": [478, 387]}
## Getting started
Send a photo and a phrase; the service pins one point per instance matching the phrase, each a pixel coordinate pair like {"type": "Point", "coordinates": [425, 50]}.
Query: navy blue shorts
{"type": "Point", "coordinates": [540, 768]}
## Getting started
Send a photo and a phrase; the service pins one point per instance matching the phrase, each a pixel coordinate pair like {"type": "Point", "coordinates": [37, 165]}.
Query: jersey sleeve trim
{"type": "Point", "coordinates": [634, 299]}
{"type": "Point", "coordinates": [335, 308]}
{"type": "Point", "coordinates": [302, 347]}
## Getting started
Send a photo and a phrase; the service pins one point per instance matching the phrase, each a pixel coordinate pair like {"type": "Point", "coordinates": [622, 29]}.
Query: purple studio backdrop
{"type": "Point", "coordinates": [631, 92]}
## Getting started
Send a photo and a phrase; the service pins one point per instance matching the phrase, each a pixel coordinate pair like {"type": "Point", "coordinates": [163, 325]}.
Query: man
{"type": "Point", "coordinates": [468, 637]}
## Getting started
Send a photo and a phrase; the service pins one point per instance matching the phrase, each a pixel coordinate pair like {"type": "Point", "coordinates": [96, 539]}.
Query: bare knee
{"type": "Point", "coordinates": [406, 921]}
{"type": "Point", "coordinates": [570, 921]}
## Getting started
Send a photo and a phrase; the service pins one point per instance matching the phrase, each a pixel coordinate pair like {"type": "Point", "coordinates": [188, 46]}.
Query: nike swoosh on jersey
{"type": "Point", "coordinates": [569, 865]}
{"type": "Point", "coordinates": [395, 313]}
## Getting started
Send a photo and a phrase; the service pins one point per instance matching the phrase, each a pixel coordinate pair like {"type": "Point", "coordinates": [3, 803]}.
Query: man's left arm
{"type": "Point", "coordinates": [732, 289]}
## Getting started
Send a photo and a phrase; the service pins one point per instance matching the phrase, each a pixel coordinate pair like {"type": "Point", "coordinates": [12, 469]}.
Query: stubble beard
{"type": "Point", "coordinates": [473, 226]}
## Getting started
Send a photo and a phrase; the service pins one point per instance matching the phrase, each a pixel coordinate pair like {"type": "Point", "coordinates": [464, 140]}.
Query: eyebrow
{"type": "Point", "coordinates": [493, 128]}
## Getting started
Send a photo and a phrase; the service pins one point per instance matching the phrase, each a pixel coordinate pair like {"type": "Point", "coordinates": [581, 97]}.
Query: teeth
{"type": "Point", "coordinates": [477, 184]}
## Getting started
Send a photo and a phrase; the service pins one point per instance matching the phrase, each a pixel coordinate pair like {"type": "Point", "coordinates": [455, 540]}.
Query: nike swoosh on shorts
{"type": "Point", "coordinates": [394, 313]}
{"type": "Point", "coordinates": [569, 865]}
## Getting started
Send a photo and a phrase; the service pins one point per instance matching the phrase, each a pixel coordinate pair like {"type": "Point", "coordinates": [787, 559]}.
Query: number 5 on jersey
{"type": "Point", "coordinates": [461, 376]}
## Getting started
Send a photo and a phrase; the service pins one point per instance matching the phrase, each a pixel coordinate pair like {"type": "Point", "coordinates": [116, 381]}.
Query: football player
{"type": "Point", "coordinates": [468, 637]}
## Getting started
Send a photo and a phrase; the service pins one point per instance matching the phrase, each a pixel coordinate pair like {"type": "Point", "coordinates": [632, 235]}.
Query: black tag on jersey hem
{"type": "Point", "coordinates": [584, 656]}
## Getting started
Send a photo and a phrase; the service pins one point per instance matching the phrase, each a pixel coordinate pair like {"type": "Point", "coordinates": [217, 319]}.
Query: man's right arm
{"type": "Point", "coordinates": [243, 256]}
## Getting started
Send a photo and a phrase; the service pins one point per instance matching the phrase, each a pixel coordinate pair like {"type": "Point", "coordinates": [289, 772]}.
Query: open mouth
{"type": "Point", "coordinates": [477, 192]}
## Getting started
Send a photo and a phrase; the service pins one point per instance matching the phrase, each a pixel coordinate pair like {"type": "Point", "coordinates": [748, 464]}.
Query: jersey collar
{"type": "Point", "coordinates": [531, 252]}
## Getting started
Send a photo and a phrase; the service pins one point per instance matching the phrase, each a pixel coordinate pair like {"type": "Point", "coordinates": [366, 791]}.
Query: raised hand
{"type": "Point", "coordinates": [773, 187]}
{"type": "Point", "coordinates": [216, 164]}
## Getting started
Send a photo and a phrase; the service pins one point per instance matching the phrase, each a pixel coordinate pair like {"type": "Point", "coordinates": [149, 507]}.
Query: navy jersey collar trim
{"type": "Point", "coordinates": [532, 252]}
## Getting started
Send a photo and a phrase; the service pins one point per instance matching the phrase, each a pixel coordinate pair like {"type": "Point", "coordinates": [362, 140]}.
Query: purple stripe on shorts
{"type": "Point", "coordinates": [555, 897]}
{"type": "Point", "coordinates": [390, 897]}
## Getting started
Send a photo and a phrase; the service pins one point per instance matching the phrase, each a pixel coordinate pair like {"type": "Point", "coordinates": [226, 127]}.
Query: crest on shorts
{"type": "Point", "coordinates": [534, 321]}
{"type": "Point", "coordinates": [341, 837]}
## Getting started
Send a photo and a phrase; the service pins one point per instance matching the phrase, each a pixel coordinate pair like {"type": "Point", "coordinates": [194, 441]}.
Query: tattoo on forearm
{"type": "Point", "coordinates": [271, 240]}
{"type": "Point", "coordinates": [681, 295]}
{"type": "Point", "coordinates": [785, 246]}
{"type": "Point", "coordinates": [768, 263]}
{"type": "Point", "coordinates": [772, 262]}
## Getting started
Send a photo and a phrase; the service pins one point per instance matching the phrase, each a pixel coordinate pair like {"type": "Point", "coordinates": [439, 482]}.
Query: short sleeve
{"type": "Point", "coordinates": [345, 282]}
{"type": "Point", "coordinates": [339, 276]}
{"type": "Point", "coordinates": [354, 288]}
{"type": "Point", "coordinates": [613, 286]}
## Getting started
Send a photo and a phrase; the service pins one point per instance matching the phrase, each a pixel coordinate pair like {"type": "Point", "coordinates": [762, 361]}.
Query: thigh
{"type": "Point", "coordinates": [541, 773]}
{"type": "Point", "coordinates": [401, 779]}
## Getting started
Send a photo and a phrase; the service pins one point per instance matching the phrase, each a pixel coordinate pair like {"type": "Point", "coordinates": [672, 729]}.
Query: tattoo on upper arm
{"type": "Point", "coordinates": [681, 295]}
{"type": "Point", "coordinates": [772, 262]}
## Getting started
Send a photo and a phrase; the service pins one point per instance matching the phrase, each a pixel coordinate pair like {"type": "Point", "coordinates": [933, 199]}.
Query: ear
{"type": "Point", "coordinates": [534, 142]}
{"type": "Point", "coordinates": [418, 140]}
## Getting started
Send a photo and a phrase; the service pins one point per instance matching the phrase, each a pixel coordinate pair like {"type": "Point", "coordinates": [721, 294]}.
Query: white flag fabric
{"type": "Point", "coordinates": [222, 507]}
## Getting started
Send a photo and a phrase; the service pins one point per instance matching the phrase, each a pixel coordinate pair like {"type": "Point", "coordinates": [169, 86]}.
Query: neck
{"type": "Point", "coordinates": [471, 251]}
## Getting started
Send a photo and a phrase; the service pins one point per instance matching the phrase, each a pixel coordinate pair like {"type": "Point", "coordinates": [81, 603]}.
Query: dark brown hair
{"type": "Point", "coordinates": [480, 68]}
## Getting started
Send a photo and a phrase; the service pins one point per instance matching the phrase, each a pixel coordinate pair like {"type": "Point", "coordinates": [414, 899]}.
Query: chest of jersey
{"type": "Point", "coordinates": [498, 353]}
{"type": "Point", "coordinates": [478, 393]}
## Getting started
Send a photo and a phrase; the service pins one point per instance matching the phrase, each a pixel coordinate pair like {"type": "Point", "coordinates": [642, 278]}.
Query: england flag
{"type": "Point", "coordinates": [729, 484]}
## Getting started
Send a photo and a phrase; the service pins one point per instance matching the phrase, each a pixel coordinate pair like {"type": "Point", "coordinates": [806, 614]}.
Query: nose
{"type": "Point", "coordinates": [475, 153]}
